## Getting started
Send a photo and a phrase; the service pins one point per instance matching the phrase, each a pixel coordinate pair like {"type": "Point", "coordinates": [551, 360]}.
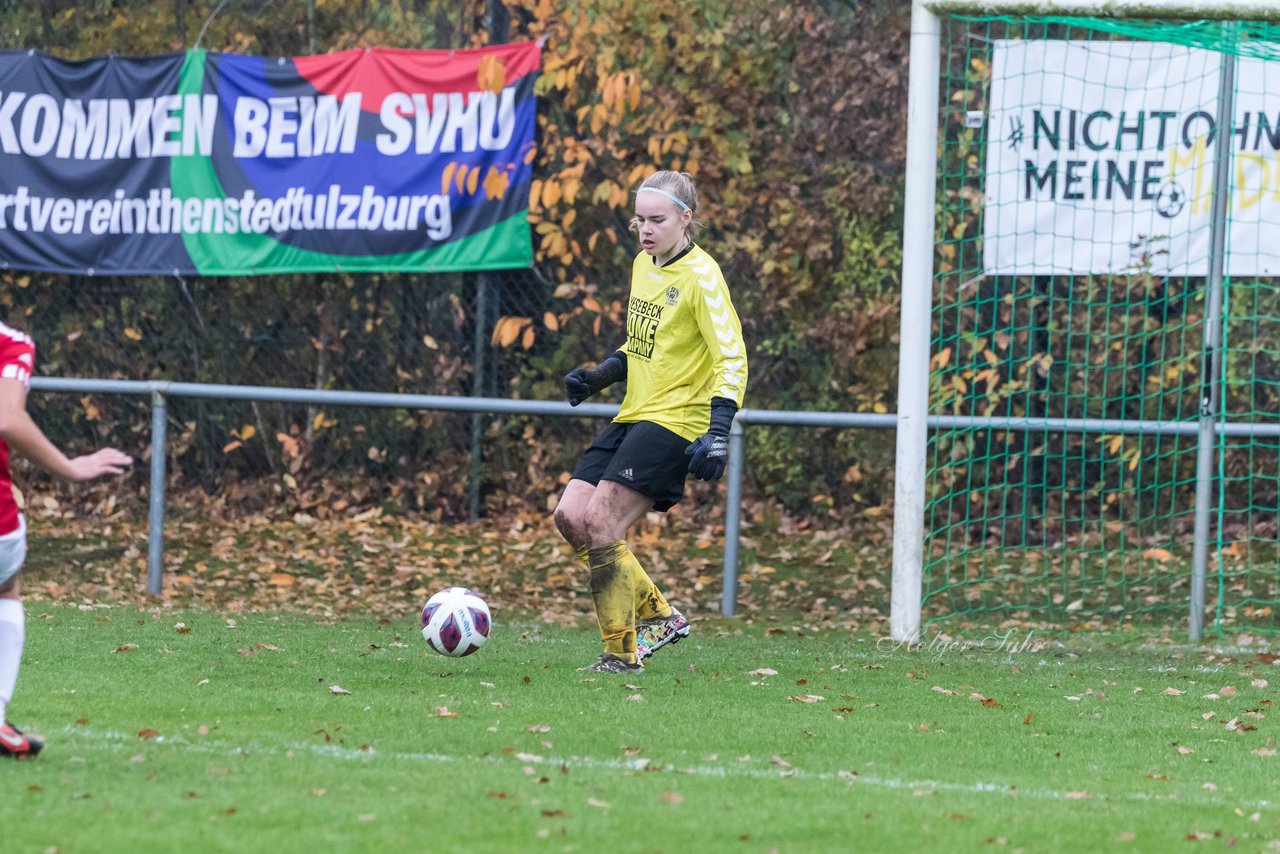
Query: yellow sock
{"type": "Point", "coordinates": [614, 597]}
{"type": "Point", "coordinates": [650, 603]}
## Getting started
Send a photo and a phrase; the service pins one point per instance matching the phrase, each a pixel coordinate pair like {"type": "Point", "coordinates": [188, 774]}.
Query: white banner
{"type": "Point", "coordinates": [1100, 159]}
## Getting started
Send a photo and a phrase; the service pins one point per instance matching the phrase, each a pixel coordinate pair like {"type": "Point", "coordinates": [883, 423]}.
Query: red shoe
{"type": "Point", "coordinates": [14, 743]}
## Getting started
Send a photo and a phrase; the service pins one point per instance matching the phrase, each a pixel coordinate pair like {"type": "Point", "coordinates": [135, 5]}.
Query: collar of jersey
{"type": "Point", "coordinates": [680, 256]}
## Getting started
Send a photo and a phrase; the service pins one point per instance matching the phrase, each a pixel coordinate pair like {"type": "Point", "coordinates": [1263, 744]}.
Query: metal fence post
{"type": "Point", "coordinates": [155, 537]}
{"type": "Point", "coordinates": [732, 519]}
{"type": "Point", "coordinates": [1211, 360]}
{"type": "Point", "coordinates": [477, 390]}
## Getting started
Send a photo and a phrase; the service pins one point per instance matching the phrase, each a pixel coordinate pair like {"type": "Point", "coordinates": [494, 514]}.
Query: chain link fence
{"type": "Point", "coordinates": [415, 334]}
{"type": "Point", "coordinates": [828, 346]}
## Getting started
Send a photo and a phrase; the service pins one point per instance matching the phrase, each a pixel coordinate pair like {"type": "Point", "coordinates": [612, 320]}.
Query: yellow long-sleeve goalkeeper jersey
{"type": "Point", "coordinates": [684, 344]}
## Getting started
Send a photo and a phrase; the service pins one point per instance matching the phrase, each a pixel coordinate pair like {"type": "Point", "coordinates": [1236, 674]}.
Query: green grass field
{"type": "Point", "coordinates": [203, 731]}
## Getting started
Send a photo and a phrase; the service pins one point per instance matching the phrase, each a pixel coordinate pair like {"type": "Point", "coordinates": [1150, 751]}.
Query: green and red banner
{"type": "Point", "coordinates": [219, 164]}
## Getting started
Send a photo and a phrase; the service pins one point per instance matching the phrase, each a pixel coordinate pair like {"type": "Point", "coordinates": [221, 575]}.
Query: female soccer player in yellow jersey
{"type": "Point", "coordinates": [686, 370]}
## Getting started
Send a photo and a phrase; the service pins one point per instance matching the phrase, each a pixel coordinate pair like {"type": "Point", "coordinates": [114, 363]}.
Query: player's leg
{"type": "Point", "coordinates": [12, 636]}
{"type": "Point", "coordinates": [652, 461]}
{"type": "Point", "coordinates": [571, 512]}
{"type": "Point", "coordinates": [571, 517]}
{"type": "Point", "coordinates": [615, 572]}
{"type": "Point", "coordinates": [13, 550]}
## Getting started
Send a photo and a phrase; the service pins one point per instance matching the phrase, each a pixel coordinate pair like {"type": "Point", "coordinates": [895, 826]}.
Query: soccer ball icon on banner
{"type": "Point", "coordinates": [455, 622]}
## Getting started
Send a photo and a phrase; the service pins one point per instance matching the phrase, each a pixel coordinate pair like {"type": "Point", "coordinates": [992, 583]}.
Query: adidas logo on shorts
{"type": "Point", "coordinates": [627, 474]}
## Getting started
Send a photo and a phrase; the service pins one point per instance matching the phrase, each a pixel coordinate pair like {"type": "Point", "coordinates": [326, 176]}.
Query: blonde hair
{"type": "Point", "coordinates": [680, 185]}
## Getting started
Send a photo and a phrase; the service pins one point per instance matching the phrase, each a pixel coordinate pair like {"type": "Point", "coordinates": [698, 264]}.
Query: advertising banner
{"type": "Point", "coordinates": [220, 164]}
{"type": "Point", "coordinates": [1100, 159]}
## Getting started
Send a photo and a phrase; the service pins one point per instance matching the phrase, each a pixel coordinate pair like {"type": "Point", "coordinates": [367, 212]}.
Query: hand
{"type": "Point", "coordinates": [581, 383]}
{"type": "Point", "coordinates": [709, 452]}
{"type": "Point", "coordinates": [708, 455]}
{"type": "Point", "coordinates": [105, 461]}
{"type": "Point", "coordinates": [578, 385]}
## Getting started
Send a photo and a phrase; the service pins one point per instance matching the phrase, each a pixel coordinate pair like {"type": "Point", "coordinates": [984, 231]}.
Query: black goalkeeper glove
{"type": "Point", "coordinates": [581, 383]}
{"type": "Point", "coordinates": [709, 453]}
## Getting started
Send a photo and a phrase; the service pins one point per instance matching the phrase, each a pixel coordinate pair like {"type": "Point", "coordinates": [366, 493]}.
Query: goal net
{"type": "Point", "coordinates": [1069, 371]}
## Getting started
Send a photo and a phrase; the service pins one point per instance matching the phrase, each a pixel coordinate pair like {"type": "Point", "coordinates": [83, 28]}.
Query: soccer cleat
{"type": "Point", "coordinates": [610, 663]}
{"type": "Point", "coordinates": [652, 635]}
{"type": "Point", "coordinates": [14, 743]}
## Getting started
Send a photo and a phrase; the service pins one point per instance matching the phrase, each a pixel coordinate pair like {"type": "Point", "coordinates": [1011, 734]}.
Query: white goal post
{"type": "Point", "coordinates": [918, 248]}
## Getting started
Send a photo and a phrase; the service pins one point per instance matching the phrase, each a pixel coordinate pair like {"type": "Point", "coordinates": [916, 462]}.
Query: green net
{"type": "Point", "coordinates": [1076, 181]}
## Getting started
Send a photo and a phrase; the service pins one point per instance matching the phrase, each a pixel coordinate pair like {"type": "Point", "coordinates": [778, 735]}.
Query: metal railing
{"type": "Point", "coordinates": [160, 391]}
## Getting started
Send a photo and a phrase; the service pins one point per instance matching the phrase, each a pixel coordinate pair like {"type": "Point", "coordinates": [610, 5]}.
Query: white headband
{"type": "Point", "coordinates": [673, 198]}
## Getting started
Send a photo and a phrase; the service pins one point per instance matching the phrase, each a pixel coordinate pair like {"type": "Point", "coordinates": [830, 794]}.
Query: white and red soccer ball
{"type": "Point", "coordinates": [455, 622]}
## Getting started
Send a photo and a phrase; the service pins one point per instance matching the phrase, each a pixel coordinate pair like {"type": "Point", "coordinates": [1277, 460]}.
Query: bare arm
{"type": "Point", "coordinates": [25, 437]}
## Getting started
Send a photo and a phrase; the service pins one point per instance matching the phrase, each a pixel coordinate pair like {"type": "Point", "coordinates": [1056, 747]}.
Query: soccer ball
{"type": "Point", "coordinates": [455, 622]}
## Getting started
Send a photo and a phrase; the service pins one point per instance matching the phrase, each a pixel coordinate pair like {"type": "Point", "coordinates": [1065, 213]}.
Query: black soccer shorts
{"type": "Point", "coordinates": [642, 456]}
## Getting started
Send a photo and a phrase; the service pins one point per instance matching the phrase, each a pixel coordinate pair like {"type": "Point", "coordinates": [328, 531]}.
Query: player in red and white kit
{"type": "Point", "coordinates": [18, 431]}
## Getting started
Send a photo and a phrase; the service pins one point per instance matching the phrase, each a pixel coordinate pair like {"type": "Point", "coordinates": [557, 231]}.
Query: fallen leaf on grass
{"type": "Point", "coordinates": [338, 689]}
{"type": "Point", "coordinates": [807, 698]}
{"type": "Point", "coordinates": [942, 690]}
{"type": "Point", "coordinates": [671, 797]}
{"type": "Point", "coordinates": [763, 671]}
{"type": "Point", "coordinates": [1172, 692]}
{"type": "Point", "coordinates": [127, 647]}
{"type": "Point", "coordinates": [1264, 751]}
{"type": "Point", "coordinates": [443, 712]}
{"type": "Point", "coordinates": [538, 728]}
{"type": "Point", "coordinates": [147, 734]}
{"type": "Point", "coordinates": [597, 803]}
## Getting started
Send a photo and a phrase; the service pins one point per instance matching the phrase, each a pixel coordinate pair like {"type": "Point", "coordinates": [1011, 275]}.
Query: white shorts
{"type": "Point", "coordinates": [13, 550]}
